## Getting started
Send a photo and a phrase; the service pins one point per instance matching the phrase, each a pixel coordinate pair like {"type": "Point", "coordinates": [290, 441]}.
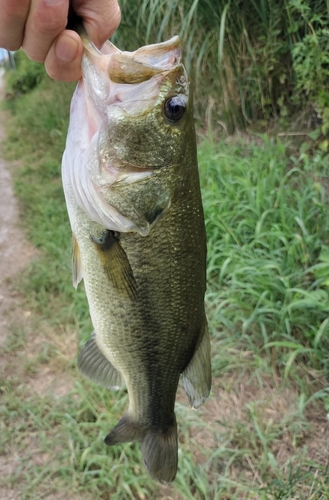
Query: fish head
{"type": "Point", "coordinates": [133, 111]}
{"type": "Point", "coordinates": [141, 98]}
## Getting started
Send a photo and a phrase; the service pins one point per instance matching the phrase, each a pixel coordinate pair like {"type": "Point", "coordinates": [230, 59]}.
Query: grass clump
{"type": "Point", "coordinates": [267, 222]}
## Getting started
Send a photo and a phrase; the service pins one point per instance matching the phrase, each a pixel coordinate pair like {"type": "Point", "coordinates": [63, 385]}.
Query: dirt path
{"type": "Point", "coordinates": [15, 251]}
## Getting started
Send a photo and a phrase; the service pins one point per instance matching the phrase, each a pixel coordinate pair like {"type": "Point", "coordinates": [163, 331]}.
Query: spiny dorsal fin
{"type": "Point", "coordinates": [76, 263]}
{"type": "Point", "coordinates": [93, 364]}
{"type": "Point", "coordinates": [116, 264]}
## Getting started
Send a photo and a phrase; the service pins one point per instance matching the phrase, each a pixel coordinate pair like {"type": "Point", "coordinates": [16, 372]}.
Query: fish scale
{"type": "Point", "coordinates": [132, 190]}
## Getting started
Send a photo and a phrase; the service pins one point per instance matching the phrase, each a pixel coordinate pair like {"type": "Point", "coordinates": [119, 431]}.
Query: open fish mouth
{"type": "Point", "coordinates": [130, 80]}
{"type": "Point", "coordinates": [137, 66]}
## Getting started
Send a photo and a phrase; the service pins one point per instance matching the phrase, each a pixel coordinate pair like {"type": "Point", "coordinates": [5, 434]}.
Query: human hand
{"type": "Point", "coordinates": [38, 26]}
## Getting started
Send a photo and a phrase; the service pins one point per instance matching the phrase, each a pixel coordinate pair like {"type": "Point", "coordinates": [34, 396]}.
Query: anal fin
{"type": "Point", "coordinates": [197, 374]}
{"type": "Point", "coordinates": [93, 364]}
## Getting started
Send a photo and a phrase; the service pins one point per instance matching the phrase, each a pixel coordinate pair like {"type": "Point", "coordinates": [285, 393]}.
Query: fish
{"type": "Point", "coordinates": [132, 190]}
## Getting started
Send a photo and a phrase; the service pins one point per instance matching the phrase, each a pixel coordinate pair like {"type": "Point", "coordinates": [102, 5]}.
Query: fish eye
{"type": "Point", "coordinates": [174, 107]}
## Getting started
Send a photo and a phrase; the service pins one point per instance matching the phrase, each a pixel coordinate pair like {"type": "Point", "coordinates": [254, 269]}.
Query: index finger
{"type": "Point", "coordinates": [12, 22]}
{"type": "Point", "coordinates": [46, 20]}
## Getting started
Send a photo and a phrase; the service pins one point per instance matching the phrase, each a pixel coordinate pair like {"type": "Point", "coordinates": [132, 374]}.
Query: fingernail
{"type": "Point", "coordinates": [66, 49]}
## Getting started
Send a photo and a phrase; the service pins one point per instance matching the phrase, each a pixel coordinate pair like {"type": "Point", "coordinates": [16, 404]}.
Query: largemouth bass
{"type": "Point", "coordinates": [132, 190]}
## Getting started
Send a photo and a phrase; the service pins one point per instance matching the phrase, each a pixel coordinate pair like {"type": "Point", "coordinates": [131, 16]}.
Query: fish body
{"type": "Point", "coordinates": [132, 190]}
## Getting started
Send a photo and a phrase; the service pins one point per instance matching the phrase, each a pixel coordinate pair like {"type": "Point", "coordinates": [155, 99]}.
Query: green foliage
{"type": "Point", "coordinates": [267, 221]}
{"type": "Point", "coordinates": [27, 76]}
{"type": "Point", "coordinates": [311, 61]}
{"type": "Point", "coordinates": [249, 58]}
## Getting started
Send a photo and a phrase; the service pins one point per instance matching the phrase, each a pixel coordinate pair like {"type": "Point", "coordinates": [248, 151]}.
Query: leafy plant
{"type": "Point", "coordinates": [311, 65]}
{"type": "Point", "coordinates": [26, 77]}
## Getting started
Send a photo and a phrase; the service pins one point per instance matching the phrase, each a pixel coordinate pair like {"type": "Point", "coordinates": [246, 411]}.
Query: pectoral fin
{"type": "Point", "coordinates": [76, 263]}
{"type": "Point", "coordinates": [116, 264]}
{"type": "Point", "coordinates": [197, 374]}
{"type": "Point", "coordinates": [93, 364]}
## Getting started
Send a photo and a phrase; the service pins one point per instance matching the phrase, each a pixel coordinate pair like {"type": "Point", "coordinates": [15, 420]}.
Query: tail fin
{"type": "Point", "coordinates": [159, 447]}
{"type": "Point", "coordinates": [160, 453]}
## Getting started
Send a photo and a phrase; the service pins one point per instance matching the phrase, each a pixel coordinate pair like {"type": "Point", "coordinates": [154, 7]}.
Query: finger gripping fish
{"type": "Point", "coordinates": [132, 191]}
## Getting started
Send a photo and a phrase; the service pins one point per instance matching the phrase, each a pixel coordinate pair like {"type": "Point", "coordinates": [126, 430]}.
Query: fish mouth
{"type": "Point", "coordinates": [134, 67]}
{"type": "Point", "coordinates": [129, 80]}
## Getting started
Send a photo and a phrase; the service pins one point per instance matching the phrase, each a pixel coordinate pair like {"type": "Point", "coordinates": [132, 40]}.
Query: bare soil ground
{"type": "Point", "coordinates": [15, 251]}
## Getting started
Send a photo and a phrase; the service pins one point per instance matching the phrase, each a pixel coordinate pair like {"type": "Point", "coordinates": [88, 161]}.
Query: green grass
{"type": "Point", "coordinates": [267, 221]}
{"type": "Point", "coordinates": [267, 300]}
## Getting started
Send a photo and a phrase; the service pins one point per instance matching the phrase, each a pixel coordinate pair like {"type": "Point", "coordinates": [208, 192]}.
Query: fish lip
{"type": "Point", "coordinates": [109, 73]}
{"type": "Point", "coordinates": [108, 48]}
{"type": "Point", "coordinates": [134, 67]}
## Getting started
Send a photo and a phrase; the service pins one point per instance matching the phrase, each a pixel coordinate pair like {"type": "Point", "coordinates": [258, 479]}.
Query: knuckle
{"type": "Point", "coordinates": [111, 19]}
{"type": "Point", "coordinates": [58, 70]}
{"type": "Point", "coordinates": [49, 26]}
{"type": "Point", "coordinates": [52, 73]}
{"type": "Point", "coordinates": [62, 74]}
{"type": "Point", "coordinates": [33, 51]}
